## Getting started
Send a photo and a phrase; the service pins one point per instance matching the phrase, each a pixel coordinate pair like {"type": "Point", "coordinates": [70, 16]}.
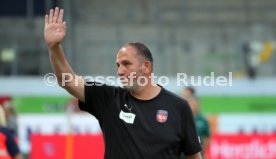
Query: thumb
{"type": "Point", "coordinates": [64, 25]}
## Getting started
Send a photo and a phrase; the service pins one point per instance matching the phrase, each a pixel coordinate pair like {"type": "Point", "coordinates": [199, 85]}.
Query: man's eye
{"type": "Point", "coordinates": [127, 64]}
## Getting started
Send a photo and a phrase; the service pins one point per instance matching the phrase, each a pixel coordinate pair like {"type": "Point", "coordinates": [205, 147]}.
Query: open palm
{"type": "Point", "coordinates": [54, 29]}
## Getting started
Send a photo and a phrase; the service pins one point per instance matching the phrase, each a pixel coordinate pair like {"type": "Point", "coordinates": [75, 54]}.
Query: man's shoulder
{"type": "Point", "coordinates": [105, 86]}
{"type": "Point", "coordinates": [173, 98]}
{"type": "Point", "coordinates": [95, 83]}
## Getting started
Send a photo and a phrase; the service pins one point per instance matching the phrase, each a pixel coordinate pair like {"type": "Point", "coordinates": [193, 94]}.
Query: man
{"type": "Point", "coordinates": [11, 117]}
{"type": "Point", "coordinates": [141, 120]}
{"type": "Point", "coordinates": [188, 92]}
{"type": "Point", "coordinates": [8, 146]}
{"type": "Point", "coordinates": [201, 122]}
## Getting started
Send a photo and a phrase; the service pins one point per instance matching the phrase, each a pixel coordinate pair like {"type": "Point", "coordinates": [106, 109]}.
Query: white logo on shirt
{"type": "Point", "coordinates": [127, 117]}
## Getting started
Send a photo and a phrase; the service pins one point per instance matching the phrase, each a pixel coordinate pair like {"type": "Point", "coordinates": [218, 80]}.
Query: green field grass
{"type": "Point", "coordinates": [238, 104]}
{"type": "Point", "coordinates": [209, 104]}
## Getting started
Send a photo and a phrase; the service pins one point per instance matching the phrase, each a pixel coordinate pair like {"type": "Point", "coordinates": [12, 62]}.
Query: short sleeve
{"type": "Point", "coordinates": [97, 98]}
{"type": "Point", "coordinates": [12, 146]}
{"type": "Point", "coordinates": [191, 144]}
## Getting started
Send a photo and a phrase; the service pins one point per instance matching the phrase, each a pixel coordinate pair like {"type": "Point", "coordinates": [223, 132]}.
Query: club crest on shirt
{"type": "Point", "coordinates": [162, 116]}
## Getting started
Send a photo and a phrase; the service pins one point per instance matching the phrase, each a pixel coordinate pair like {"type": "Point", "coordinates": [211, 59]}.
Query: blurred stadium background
{"type": "Point", "coordinates": [195, 37]}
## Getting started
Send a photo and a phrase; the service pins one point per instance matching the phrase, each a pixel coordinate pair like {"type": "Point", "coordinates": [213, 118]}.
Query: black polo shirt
{"type": "Point", "coordinates": [159, 128]}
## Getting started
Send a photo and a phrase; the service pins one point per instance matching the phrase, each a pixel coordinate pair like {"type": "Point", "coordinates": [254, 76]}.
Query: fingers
{"type": "Point", "coordinates": [55, 16]}
{"type": "Point", "coordinates": [60, 16]}
{"type": "Point", "coordinates": [46, 19]}
{"type": "Point", "coordinates": [51, 16]}
{"type": "Point", "coordinates": [64, 25]}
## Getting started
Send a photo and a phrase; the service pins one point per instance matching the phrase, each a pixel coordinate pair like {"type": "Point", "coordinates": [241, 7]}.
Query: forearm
{"type": "Point", "coordinates": [59, 63]}
{"type": "Point", "coordinates": [65, 75]}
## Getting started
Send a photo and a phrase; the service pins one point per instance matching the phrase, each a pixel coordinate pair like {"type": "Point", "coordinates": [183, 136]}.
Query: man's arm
{"type": "Point", "coordinates": [194, 156]}
{"type": "Point", "coordinates": [54, 33]}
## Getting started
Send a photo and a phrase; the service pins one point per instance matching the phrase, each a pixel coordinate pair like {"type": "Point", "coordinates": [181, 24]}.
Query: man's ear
{"type": "Point", "coordinates": [147, 67]}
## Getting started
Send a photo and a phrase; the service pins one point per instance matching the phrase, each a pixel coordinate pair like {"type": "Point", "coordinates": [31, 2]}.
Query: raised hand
{"type": "Point", "coordinates": [55, 28]}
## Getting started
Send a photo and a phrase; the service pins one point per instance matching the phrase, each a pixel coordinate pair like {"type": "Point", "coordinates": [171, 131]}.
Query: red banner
{"type": "Point", "coordinates": [240, 146]}
{"type": "Point", "coordinates": [69, 147]}
{"type": "Point", "coordinates": [237, 146]}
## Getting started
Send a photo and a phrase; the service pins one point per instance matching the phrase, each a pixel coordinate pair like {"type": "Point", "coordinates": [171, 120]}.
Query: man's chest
{"type": "Point", "coordinates": [146, 121]}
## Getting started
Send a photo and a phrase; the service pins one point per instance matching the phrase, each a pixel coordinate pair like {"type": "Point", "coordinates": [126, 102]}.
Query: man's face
{"type": "Point", "coordinates": [193, 103]}
{"type": "Point", "coordinates": [129, 67]}
{"type": "Point", "coordinates": [186, 94]}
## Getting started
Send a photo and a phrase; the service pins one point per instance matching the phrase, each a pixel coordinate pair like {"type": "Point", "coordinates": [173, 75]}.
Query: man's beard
{"type": "Point", "coordinates": [133, 85]}
{"type": "Point", "coordinates": [128, 88]}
